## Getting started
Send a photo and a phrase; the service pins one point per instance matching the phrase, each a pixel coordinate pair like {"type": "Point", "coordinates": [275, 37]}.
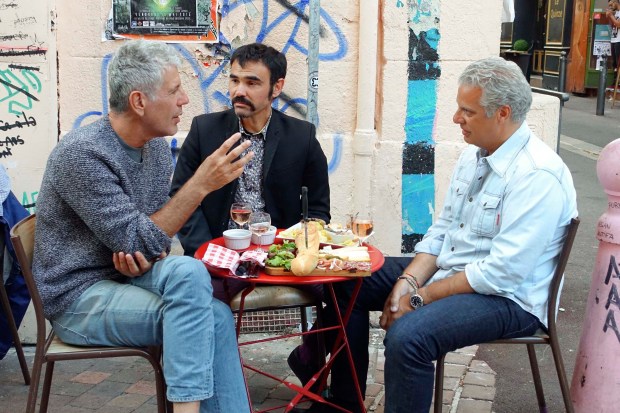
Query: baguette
{"type": "Point", "coordinates": [307, 256]}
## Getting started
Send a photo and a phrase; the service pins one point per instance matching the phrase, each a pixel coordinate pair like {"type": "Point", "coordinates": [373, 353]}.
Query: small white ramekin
{"type": "Point", "coordinates": [237, 239]}
{"type": "Point", "coordinates": [265, 239]}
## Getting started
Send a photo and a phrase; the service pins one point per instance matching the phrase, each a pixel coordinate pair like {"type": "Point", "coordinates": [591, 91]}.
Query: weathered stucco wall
{"type": "Point", "coordinates": [28, 101]}
{"type": "Point", "coordinates": [422, 47]}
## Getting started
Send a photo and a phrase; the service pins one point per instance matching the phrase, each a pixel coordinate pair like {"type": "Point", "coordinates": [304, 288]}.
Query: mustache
{"type": "Point", "coordinates": [241, 99]}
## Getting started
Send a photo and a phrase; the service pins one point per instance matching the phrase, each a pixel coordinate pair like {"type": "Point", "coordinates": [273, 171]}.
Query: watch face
{"type": "Point", "coordinates": [416, 301]}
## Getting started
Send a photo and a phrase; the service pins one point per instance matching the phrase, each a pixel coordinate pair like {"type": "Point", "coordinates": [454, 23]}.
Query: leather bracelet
{"type": "Point", "coordinates": [417, 283]}
{"type": "Point", "coordinates": [413, 283]}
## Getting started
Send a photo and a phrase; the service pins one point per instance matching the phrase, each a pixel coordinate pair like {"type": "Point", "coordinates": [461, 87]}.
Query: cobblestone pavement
{"type": "Point", "coordinates": [127, 385]}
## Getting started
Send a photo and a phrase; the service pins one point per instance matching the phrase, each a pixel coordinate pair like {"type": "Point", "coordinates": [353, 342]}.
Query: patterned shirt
{"type": "Point", "coordinates": [250, 184]}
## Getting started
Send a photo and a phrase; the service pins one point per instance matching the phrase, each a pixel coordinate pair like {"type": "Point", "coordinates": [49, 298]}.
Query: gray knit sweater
{"type": "Point", "coordinates": [96, 200]}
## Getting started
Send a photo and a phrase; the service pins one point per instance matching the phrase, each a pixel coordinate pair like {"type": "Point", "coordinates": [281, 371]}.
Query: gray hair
{"type": "Point", "coordinates": [502, 83]}
{"type": "Point", "coordinates": [139, 65]}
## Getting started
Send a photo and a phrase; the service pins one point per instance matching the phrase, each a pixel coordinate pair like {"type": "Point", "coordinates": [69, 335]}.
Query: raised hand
{"type": "Point", "coordinates": [224, 165]}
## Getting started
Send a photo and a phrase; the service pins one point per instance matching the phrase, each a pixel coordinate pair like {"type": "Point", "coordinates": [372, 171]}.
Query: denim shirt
{"type": "Point", "coordinates": [504, 220]}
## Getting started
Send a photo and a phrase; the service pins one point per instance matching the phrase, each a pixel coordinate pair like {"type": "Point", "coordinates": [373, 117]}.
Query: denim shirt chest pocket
{"type": "Point", "coordinates": [486, 218]}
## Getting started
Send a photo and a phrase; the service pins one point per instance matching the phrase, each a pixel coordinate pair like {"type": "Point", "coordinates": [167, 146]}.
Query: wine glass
{"type": "Point", "coordinates": [362, 226]}
{"type": "Point", "coordinates": [240, 213]}
{"type": "Point", "coordinates": [259, 224]}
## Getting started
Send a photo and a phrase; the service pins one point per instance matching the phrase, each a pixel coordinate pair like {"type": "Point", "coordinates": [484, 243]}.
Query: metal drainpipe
{"type": "Point", "coordinates": [365, 134]}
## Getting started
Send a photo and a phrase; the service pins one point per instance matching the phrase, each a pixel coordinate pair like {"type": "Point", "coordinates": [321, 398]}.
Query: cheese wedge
{"type": "Point", "coordinates": [359, 254]}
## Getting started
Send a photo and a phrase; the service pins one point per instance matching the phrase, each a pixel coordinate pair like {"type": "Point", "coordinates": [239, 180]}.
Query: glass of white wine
{"type": "Point", "coordinates": [259, 224]}
{"type": "Point", "coordinates": [362, 226]}
{"type": "Point", "coordinates": [240, 213]}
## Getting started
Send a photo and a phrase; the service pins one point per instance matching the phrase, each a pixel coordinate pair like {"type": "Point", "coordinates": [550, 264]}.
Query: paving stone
{"type": "Point", "coordinates": [282, 393]}
{"type": "Point", "coordinates": [448, 395]}
{"type": "Point", "coordinates": [379, 377]}
{"type": "Point", "coordinates": [373, 389]}
{"type": "Point", "coordinates": [451, 383]}
{"type": "Point", "coordinates": [145, 408]}
{"type": "Point", "coordinates": [130, 375]}
{"type": "Point", "coordinates": [471, 391]}
{"type": "Point", "coordinates": [474, 406]}
{"type": "Point", "coordinates": [481, 379]}
{"type": "Point", "coordinates": [90, 377]}
{"type": "Point", "coordinates": [458, 358]}
{"type": "Point", "coordinates": [69, 388]}
{"type": "Point", "coordinates": [480, 366]}
{"type": "Point", "coordinates": [90, 401]}
{"type": "Point", "coordinates": [445, 408]}
{"type": "Point", "coordinates": [454, 370]}
{"type": "Point", "coordinates": [144, 387]}
{"type": "Point", "coordinates": [129, 400]}
{"type": "Point", "coordinates": [109, 389]}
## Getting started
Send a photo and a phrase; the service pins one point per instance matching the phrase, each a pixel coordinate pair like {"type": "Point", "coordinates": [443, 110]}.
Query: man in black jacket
{"type": "Point", "coordinates": [287, 154]}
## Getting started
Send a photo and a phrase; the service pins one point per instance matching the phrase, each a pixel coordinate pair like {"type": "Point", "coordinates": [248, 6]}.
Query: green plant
{"type": "Point", "coordinates": [521, 45]}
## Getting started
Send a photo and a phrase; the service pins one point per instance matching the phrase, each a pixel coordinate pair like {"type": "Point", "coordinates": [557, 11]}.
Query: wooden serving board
{"type": "Point", "coordinates": [316, 272]}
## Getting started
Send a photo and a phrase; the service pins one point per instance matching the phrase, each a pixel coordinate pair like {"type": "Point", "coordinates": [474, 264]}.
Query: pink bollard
{"type": "Point", "coordinates": [596, 380]}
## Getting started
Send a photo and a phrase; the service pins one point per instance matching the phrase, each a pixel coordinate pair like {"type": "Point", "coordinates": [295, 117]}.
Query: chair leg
{"type": "Point", "coordinates": [153, 356]}
{"type": "Point", "coordinates": [6, 307]}
{"type": "Point", "coordinates": [540, 395]}
{"type": "Point", "coordinates": [439, 369]}
{"type": "Point", "coordinates": [47, 385]}
{"type": "Point", "coordinates": [559, 367]}
{"type": "Point", "coordinates": [34, 383]}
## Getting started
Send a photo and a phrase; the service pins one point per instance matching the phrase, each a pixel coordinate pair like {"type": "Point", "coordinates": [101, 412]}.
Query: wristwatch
{"type": "Point", "coordinates": [416, 301]}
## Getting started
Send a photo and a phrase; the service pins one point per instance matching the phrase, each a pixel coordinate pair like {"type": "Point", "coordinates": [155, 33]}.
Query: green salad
{"type": "Point", "coordinates": [280, 255]}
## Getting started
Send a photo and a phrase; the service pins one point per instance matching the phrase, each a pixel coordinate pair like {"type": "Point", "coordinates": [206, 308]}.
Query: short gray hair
{"type": "Point", "coordinates": [138, 65]}
{"type": "Point", "coordinates": [502, 83]}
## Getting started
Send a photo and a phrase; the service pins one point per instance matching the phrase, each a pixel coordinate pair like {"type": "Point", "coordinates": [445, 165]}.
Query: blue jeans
{"type": "Point", "coordinates": [419, 337]}
{"type": "Point", "coordinates": [171, 304]}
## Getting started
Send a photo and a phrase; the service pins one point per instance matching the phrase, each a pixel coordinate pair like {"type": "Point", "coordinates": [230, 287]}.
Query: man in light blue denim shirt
{"type": "Point", "coordinates": [482, 271]}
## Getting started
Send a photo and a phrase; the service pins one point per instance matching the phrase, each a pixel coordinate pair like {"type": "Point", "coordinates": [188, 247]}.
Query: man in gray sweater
{"type": "Point", "coordinates": [104, 227]}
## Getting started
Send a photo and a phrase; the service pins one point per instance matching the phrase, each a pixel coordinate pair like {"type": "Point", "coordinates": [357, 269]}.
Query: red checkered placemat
{"type": "Point", "coordinates": [221, 257]}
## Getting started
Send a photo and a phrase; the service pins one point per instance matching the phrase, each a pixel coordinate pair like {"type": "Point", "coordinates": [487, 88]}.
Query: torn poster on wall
{"type": "Point", "coordinates": [167, 20]}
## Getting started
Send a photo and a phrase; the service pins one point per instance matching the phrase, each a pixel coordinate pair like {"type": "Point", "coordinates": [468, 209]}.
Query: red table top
{"type": "Point", "coordinates": [376, 262]}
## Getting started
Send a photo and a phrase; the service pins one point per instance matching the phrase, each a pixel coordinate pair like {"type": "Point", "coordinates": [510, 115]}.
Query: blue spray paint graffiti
{"type": "Point", "coordinates": [329, 29]}
{"type": "Point", "coordinates": [418, 182]}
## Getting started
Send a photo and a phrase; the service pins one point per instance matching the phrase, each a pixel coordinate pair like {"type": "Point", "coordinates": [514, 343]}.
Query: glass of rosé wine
{"type": "Point", "coordinates": [240, 213]}
{"type": "Point", "coordinates": [362, 226]}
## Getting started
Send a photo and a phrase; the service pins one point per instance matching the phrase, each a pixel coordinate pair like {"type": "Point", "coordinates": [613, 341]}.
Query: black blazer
{"type": "Point", "coordinates": [293, 158]}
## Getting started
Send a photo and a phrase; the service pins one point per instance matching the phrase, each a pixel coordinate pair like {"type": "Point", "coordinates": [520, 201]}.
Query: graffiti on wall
{"type": "Point", "coordinates": [418, 183]}
{"type": "Point", "coordinates": [20, 84]}
{"type": "Point", "coordinates": [209, 62]}
{"type": "Point", "coordinates": [20, 87]}
{"type": "Point", "coordinates": [23, 59]}
{"type": "Point", "coordinates": [22, 30]}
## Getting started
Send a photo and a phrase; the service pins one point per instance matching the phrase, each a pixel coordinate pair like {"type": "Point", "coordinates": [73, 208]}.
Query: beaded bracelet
{"type": "Point", "coordinates": [417, 283]}
{"type": "Point", "coordinates": [412, 282]}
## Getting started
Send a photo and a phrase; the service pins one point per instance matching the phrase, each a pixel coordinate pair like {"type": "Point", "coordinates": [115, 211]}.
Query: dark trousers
{"type": "Point", "coordinates": [419, 337]}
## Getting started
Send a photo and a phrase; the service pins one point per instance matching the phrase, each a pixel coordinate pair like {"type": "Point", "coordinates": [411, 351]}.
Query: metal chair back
{"type": "Point", "coordinates": [548, 337]}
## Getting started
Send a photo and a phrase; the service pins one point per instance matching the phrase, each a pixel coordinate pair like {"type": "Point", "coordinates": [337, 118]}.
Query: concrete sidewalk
{"type": "Point", "coordinates": [127, 385]}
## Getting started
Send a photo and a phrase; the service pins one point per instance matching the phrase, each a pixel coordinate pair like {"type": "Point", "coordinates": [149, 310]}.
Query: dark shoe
{"type": "Point", "coordinates": [303, 369]}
